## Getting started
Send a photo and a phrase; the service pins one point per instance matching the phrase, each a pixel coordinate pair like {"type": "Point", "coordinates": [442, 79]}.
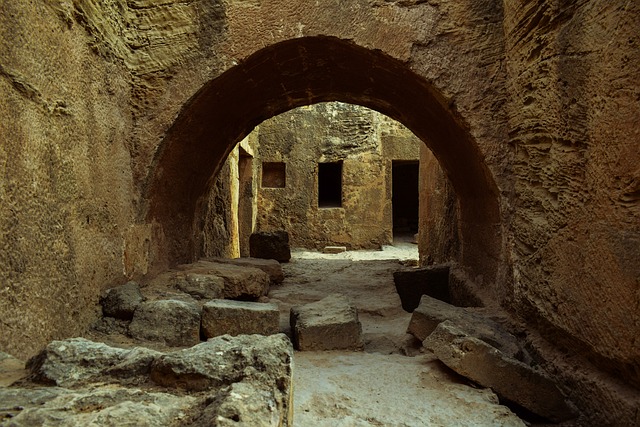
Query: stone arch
{"type": "Point", "coordinates": [300, 72]}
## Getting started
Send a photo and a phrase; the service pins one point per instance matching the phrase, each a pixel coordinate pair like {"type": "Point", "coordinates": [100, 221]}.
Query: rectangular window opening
{"type": "Point", "coordinates": [274, 175]}
{"type": "Point", "coordinates": [330, 185]}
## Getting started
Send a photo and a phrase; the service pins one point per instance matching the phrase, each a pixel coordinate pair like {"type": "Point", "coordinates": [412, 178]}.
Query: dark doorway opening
{"type": "Point", "coordinates": [330, 185]}
{"type": "Point", "coordinates": [405, 196]}
{"type": "Point", "coordinates": [245, 201]}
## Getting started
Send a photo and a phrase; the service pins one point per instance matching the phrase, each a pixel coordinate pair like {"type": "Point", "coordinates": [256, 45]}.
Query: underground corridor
{"type": "Point", "coordinates": [266, 213]}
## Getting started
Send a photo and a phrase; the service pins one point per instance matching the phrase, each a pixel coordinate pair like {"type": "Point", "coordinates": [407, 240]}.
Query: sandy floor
{"type": "Point", "coordinates": [391, 383]}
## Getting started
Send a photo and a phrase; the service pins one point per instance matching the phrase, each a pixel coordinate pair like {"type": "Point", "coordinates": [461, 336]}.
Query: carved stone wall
{"type": "Point", "coordinates": [364, 142]}
{"type": "Point", "coordinates": [117, 115]}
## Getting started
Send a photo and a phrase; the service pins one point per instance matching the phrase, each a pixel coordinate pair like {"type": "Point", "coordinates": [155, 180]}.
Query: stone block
{"type": "Point", "coordinates": [412, 283]}
{"type": "Point", "coordinates": [269, 266]}
{"type": "Point", "coordinates": [175, 323]}
{"type": "Point", "coordinates": [270, 245]}
{"type": "Point", "coordinates": [431, 312]}
{"type": "Point", "coordinates": [334, 249]}
{"type": "Point", "coordinates": [509, 378]}
{"type": "Point", "coordinates": [120, 302]}
{"type": "Point", "coordinates": [240, 282]}
{"type": "Point", "coordinates": [222, 317]}
{"type": "Point", "coordinates": [329, 324]}
{"type": "Point", "coordinates": [200, 286]}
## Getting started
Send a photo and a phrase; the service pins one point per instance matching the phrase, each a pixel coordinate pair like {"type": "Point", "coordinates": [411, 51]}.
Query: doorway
{"type": "Point", "coordinates": [405, 198]}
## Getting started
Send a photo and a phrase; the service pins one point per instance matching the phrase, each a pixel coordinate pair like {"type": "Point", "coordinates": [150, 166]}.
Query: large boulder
{"type": "Point", "coordinates": [240, 282]}
{"type": "Point", "coordinates": [329, 324]}
{"type": "Point", "coordinates": [270, 245]}
{"type": "Point", "coordinates": [120, 302]}
{"type": "Point", "coordinates": [269, 266]}
{"type": "Point", "coordinates": [222, 317]}
{"type": "Point", "coordinates": [239, 381]}
{"type": "Point", "coordinates": [412, 283]}
{"type": "Point", "coordinates": [509, 378]}
{"type": "Point", "coordinates": [175, 323]}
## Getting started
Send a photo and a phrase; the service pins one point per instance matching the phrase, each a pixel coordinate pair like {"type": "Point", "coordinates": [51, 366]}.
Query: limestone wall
{"type": "Point", "coordinates": [67, 197]}
{"type": "Point", "coordinates": [574, 114]}
{"type": "Point", "coordinates": [365, 142]}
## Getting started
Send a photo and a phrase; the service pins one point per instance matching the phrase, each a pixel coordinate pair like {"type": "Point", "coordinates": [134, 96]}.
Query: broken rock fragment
{"type": "Point", "coordinates": [329, 324]}
{"type": "Point", "coordinates": [176, 323]}
{"type": "Point", "coordinates": [431, 312]}
{"type": "Point", "coordinates": [240, 381]}
{"type": "Point", "coordinates": [509, 378]}
{"type": "Point", "coordinates": [222, 317]}
{"type": "Point", "coordinates": [120, 302]}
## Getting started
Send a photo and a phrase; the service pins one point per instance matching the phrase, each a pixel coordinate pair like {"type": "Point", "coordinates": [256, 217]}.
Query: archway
{"type": "Point", "coordinates": [300, 72]}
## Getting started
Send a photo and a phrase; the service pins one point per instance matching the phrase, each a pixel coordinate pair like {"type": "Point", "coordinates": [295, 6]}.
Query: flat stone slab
{"type": "Point", "coordinates": [175, 323]}
{"type": "Point", "coordinates": [221, 317]}
{"type": "Point", "coordinates": [431, 312]}
{"type": "Point", "coordinates": [240, 282]}
{"type": "Point", "coordinates": [509, 378]}
{"type": "Point", "coordinates": [412, 283]}
{"type": "Point", "coordinates": [269, 266]}
{"type": "Point", "coordinates": [329, 324]}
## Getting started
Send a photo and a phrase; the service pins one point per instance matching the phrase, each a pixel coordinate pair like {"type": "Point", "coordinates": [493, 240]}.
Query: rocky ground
{"type": "Point", "coordinates": [393, 382]}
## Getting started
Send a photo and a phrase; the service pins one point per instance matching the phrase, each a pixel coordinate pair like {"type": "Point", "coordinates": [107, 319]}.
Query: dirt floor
{"type": "Point", "coordinates": [394, 382]}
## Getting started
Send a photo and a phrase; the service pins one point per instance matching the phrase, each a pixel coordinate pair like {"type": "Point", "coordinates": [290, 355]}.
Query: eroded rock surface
{"type": "Point", "coordinates": [221, 317]}
{"type": "Point", "coordinates": [243, 381]}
